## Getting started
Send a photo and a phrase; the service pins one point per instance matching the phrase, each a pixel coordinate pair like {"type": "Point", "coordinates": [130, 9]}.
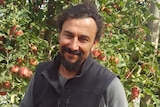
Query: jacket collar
{"type": "Point", "coordinates": [51, 71]}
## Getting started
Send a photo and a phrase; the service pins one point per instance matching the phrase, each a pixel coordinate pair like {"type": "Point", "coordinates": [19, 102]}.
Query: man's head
{"type": "Point", "coordinates": [79, 26]}
{"type": "Point", "coordinates": [84, 10]}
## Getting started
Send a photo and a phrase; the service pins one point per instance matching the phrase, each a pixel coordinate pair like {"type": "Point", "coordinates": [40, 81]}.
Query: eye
{"type": "Point", "coordinates": [68, 35]}
{"type": "Point", "coordinates": [84, 39]}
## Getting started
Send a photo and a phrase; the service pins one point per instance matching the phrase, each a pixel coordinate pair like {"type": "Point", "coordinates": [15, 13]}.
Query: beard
{"type": "Point", "coordinates": [71, 66]}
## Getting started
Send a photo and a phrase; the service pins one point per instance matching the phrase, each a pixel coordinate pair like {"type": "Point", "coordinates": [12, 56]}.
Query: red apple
{"type": "Point", "coordinates": [2, 2]}
{"type": "Point", "coordinates": [33, 62]}
{"type": "Point", "coordinates": [34, 48]}
{"type": "Point", "coordinates": [18, 33]}
{"type": "Point", "coordinates": [96, 53]}
{"type": "Point", "coordinates": [7, 85]}
{"type": "Point", "coordinates": [2, 38]}
{"type": "Point", "coordinates": [135, 92]}
{"type": "Point", "coordinates": [116, 59]}
{"type": "Point", "coordinates": [13, 29]}
{"type": "Point", "coordinates": [2, 48]}
{"type": "Point", "coordinates": [25, 72]}
{"type": "Point", "coordinates": [102, 57]}
{"type": "Point", "coordinates": [14, 69]}
{"type": "Point", "coordinates": [3, 93]}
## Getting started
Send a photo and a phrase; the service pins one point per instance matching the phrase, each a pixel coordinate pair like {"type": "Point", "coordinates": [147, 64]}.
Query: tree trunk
{"type": "Point", "coordinates": [154, 25]}
{"type": "Point", "coordinates": [50, 21]}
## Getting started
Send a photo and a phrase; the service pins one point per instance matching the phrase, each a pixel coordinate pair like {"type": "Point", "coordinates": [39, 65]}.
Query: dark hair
{"type": "Point", "coordinates": [83, 10]}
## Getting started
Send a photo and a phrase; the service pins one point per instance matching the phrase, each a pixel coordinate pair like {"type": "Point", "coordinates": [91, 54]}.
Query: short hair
{"type": "Point", "coordinates": [83, 10]}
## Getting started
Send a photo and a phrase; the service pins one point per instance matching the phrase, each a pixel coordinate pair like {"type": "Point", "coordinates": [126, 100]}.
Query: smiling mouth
{"type": "Point", "coordinates": [68, 50]}
{"type": "Point", "coordinates": [71, 55]}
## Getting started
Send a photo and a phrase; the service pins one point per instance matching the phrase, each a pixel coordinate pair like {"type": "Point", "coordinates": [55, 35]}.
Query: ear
{"type": "Point", "coordinates": [94, 45]}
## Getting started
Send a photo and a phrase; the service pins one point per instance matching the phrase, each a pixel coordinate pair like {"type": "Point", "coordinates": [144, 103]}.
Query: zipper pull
{"type": "Point", "coordinates": [67, 102]}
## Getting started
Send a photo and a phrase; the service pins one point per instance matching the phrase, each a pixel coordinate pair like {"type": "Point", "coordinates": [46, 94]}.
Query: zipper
{"type": "Point", "coordinates": [61, 95]}
{"type": "Point", "coordinates": [67, 102]}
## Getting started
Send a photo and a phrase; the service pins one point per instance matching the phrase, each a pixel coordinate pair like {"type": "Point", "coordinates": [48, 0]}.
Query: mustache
{"type": "Point", "coordinates": [71, 52]}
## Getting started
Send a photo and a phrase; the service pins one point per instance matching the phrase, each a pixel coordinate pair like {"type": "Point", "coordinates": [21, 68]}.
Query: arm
{"type": "Point", "coordinates": [27, 100]}
{"type": "Point", "coordinates": [114, 95]}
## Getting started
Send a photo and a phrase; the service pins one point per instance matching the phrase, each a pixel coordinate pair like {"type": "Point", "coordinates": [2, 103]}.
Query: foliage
{"type": "Point", "coordinates": [28, 35]}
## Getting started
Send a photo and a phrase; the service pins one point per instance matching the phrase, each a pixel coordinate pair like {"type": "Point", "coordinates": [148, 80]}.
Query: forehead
{"type": "Point", "coordinates": [80, 25]}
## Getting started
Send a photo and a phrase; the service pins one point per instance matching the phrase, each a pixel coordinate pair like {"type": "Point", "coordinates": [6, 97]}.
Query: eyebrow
{"type": "Point", "coordinates": [66, 31]}
{"type": "Point", "coordinates": [81, 36]}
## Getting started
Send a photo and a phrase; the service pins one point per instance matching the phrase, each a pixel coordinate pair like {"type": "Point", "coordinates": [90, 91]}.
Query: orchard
{"type": "Point", "coordinates": [28, 35]}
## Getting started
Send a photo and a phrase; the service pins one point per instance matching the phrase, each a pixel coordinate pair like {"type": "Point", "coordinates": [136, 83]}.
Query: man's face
{"type": "Point", "coordinates": [75, 41]}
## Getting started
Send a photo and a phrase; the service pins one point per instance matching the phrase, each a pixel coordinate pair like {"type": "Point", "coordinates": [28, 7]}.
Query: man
{"type": "Point", "coordinates": [74, 78]}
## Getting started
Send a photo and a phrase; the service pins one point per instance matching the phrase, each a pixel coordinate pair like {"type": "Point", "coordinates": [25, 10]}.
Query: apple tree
{"type": "Point", "coordinates": [28, 35]}
{"type": "Point", "coordinates": [22, 47]}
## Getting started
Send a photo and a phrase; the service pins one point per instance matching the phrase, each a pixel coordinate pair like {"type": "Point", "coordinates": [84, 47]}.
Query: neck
{"type": "Point", "coordinates": [67, 74]}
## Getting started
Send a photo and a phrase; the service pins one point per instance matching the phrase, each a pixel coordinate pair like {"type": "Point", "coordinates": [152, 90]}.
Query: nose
{"type": "Point", "coordinates": [74, 45]}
